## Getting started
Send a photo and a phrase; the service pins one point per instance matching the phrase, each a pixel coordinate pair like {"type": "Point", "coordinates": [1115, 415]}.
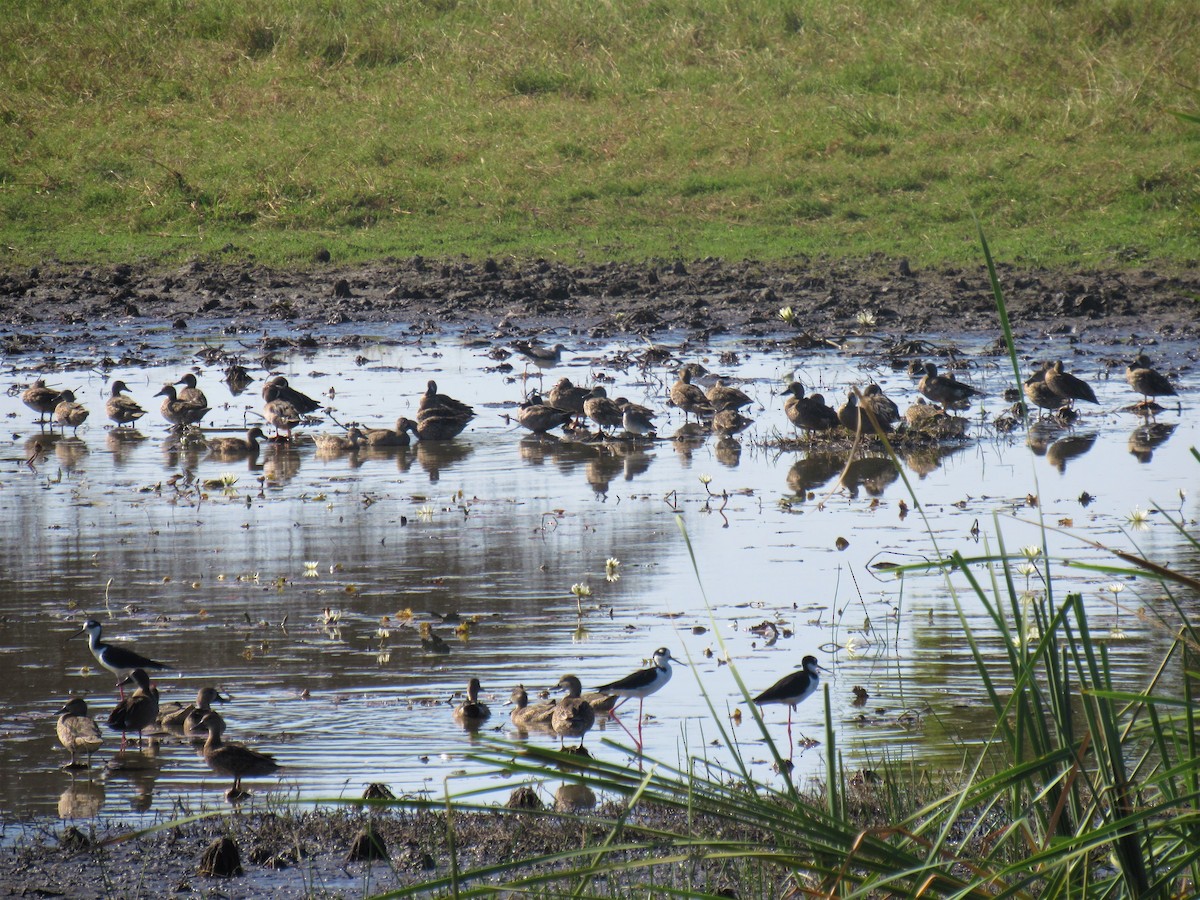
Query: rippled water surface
{"type": "Point", "coordinates": [226, 570]}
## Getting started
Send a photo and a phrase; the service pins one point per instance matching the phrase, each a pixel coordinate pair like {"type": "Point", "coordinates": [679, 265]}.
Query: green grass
{"type": "Point", "coordinates": [162, 129]}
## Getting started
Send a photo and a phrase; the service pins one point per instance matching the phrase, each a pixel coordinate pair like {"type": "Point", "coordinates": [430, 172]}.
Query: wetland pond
{"type": "Point", "coordinates": [299, 584]}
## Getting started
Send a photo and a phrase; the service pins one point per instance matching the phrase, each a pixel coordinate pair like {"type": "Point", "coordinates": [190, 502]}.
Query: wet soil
{"type": "Point", "coordinates": [701, 298]}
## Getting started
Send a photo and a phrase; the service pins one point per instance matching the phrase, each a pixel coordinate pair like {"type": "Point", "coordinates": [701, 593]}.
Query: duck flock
{"type": "Point", "coordinates": [567, 407]}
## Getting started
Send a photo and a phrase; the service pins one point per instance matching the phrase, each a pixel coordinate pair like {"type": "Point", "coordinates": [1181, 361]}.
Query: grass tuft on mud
{"type": "Point", "coordinates": [157, 130]}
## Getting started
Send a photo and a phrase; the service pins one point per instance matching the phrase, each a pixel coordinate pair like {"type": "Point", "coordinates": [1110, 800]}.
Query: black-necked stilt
{"type": "Point", "coordinates": [573, 716]}
{"type": "Point", "coordinates": [121, 409]}
{"type": "Point", "coordinates": [471, 713]}
{"type": "Point", "coordinates": [78, 732]}
{"type": "Point", "coordinates": [121, 661]}
{"type": "Point", "coordinates": [946, 390]}
{"type": "Point", "coordinates": [792, 689]}
{"type": "Point", "coordinates": [641, 684]}
{"type": "Point", "coordinates": [234, 760]}
{"type": "Point", "coordinates": [137, 711]}
{"type": "Point", "coordinates": [525, 717]}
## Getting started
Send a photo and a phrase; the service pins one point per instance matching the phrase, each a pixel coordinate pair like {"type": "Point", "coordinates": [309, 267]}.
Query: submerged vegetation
{"type": "Point", "coordinates": [373, 128]}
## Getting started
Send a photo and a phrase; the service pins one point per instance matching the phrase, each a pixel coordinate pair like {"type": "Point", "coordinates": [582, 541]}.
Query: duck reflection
{"type": "Point", "coordinates": [38, 447]}
{"type": "Point", "coordinates": [81, 800]}
{"type": "Point", "coordinates": [70, 452]}
{"type": "Point", "coordinates": [280, 463]}
{"type": "Point", "coordinates": [924, 460]}
{"type": "Point", "coordinates": [121, 443]}
{"type": "Point", "coordinates": [728, 451]}
{"type": "Point", "coordinates": [873, 473]}
{"type": "Point", "coordinates": [814, 470]}
{"type": "Point", "coordinates": [687, 440]}
{"type": "Point", "coordinates": [1041, 435]}
{"type": "Point", "coordinates": [1145, 439]}
{"type": "Point", "coordinates": [434, 456]}
{"type": "Point", "coordinates": [182, 450]}
{"type": "Point", "coordinates": [238, 379]}
{"type": "Point", "coordinates": [601, 469]}
{"type": "Point", "coordinates": [1068, 448]}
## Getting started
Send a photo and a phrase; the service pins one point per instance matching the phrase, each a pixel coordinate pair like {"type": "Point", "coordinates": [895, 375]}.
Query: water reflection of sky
{"type": "Point", "coordinates": [498, 527]}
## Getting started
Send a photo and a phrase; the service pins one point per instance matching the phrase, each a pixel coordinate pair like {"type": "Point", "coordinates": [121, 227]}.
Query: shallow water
{"type": "Point", "coordinates": [229, 582]}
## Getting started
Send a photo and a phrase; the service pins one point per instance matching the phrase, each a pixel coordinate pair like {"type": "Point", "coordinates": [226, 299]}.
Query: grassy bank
{"type": "Point", "coordinates": [629, 129]}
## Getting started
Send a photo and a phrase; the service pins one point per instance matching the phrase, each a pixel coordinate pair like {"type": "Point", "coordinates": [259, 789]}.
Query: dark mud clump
{"type": "Point", "coordinates": [702, 297]}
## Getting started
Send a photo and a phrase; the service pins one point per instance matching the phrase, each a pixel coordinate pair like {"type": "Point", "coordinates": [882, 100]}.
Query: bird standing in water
{"type": "Point", "coordinates": [78, 732]}
{"type": "Point", "coordinates": [792, 689]}
{"type": "Point", "coordinates": [641, 684]}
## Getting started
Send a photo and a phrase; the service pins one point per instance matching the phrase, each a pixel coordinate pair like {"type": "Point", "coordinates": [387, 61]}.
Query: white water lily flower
{"type": "Point", "coordinates": [1139, 519]}
{"type": "Point", "coordinates": [1031, 552]}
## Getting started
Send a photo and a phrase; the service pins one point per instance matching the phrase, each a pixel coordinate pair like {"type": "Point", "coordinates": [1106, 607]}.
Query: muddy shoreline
{"type": "Point", "coordinates": [48, 308]}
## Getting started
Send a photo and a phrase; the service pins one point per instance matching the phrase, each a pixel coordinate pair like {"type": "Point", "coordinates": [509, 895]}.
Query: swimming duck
{"type": "Point", "coordinates": [41, 399]}
{"type": "Point", "coordinates": [539, 417]}
{"type": "Point", "coordinates": [137, 711]}
{"type": "Point", "coordinates": [121, 409]}
{"type": "Point", "coordinates": [526, 717]}
{"type": "Point", "coordinates": [471, 713]}
{"type": "Point", "coordinates": [186, 719]}
{"type": "Point", "coordinates": [336, 444]}
{"type": "Point", "coordinates": [602, 410]}
{"type": "Point", "coordinates": [233, 760]}
{"type": "Point", "coordinates": [190, 393]}
{"type": "Point", "coordinates": [179, 412]}
{"type": "Point", "coordinates": [235, 447]}
{"type": "Point", "coordinates": [435, 426]}
{"type": "Point", "coordinates": [1067, 386]}
{"type": "Point", "coordinates": [69, 412]}
{"type": "Point", "coordinates": [78, 732]}
{"type": "Point", "coordinates": [808, 413]}
{"type": "Point", "coordinates": [946, 390]}
{"type": "Point", "coordinates": [281, 414]}
{"type": "Point", "coordinates": [433, 403]}
{"type": "Point", "coordinates": [721, 396]}
{"type": "Point", "coordinates": [688, 397]}
{"type": "Point", "coordinates": [302, 403]}
{"type": "Point", "coordinates": [1148, 382]}
{"type": "Point", "coordinates": [385, 437]}
{"type": "Point", "coordinates": [573, 716]}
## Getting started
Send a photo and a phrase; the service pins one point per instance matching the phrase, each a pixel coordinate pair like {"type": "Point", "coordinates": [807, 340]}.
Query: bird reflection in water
{"type": "Point", "coordinates": [1145, 439]}
{"type": "Point", "coordinates": [873, 473]}
{"type": "Point", "coordinates": [120, 442]}
{"type": "Point", "coordinates": [434, 456]}
{"type": "Point", "coordinates": [925, 460]}
{"type": "Point", "coordinates": [1070, 447]}
{"type": "Point", "coordinates": [82, 799]}
{"type": "Point", "coordinates": [813, 471]}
